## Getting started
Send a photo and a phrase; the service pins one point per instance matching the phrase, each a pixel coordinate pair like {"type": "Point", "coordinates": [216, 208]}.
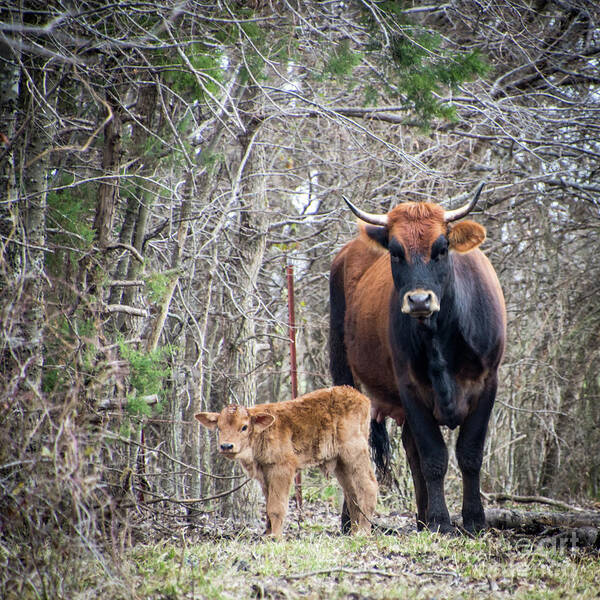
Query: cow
{"type": "Point", "coordinates": [327, 428]}
{"type": "Point", "coordinates": [418, 321]}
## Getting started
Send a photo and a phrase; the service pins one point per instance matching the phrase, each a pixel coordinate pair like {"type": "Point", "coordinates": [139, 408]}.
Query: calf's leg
{"type": "Point", "coordinates": [355, 474]}
{"type": "Point", "coordinates": [278, 479]}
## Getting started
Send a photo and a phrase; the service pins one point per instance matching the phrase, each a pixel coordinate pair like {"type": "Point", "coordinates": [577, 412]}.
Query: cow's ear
{"type": "Point", "coordinates": [261, 421]}
{"type": "Point", "coordinates": [208, 419]}
{"type": "Point", "coordinates": [465, 236]}
{"type": "Point", "coordinates": [380, 235]}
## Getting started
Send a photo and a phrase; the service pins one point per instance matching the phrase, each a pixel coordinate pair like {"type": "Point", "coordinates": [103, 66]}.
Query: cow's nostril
{"type": "Point", "coordinates": [420, 300]}
{"type": "Point", "coordinates": [420, 303]}
{"type": "Point", "coordinates": [226, 447]}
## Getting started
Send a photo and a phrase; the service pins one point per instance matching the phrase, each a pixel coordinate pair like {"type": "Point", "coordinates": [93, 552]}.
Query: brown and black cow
{"type": "Point", "coordinates": [418, 320]}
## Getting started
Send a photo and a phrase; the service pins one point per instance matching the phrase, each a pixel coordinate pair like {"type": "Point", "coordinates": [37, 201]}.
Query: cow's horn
{"type": "Point", "coordinates": [463, 211]}
{"type": "Point", "coordinates": [371, 218]}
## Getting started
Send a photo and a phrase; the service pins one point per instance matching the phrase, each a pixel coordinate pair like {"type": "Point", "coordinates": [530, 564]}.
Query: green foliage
{"type": "Point", "coordinates": [157, 285]}
{"type": "Point", "coordinates": [137, 406]}
{"type": "Point", "coordinates": [371, 95]}
{"type": "Point", "coordinates": [252, 30]}
{"type": "Point", "coordinates": [211, 160]}
{"type": "Point", "coordinates": [147, 371]}
{"type": "Point", "coordinates": [78, 331]}
{"type": "Point", "coordinates": [421, 69]}
{"type": "Point", "coordinates": [327, 491]}
{"type": "Point", "coordinates": [208, 67]}
{"type": "Point", "coordinates": [417, 68]}
{"type": "Point", "coordinates": [253, 68]}
{"type": "Point", "coordinates": [342, 62]}
{"type": "Point", "coordinates": [70, 214]}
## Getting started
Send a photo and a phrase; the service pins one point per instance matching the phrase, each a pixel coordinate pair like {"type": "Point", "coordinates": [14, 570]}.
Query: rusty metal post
{"type": "Point", "coordinates": [293, 365]}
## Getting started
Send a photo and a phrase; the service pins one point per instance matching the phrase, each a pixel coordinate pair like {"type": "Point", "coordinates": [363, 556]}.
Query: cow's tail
{"type": "Point", "coordinates": [380, 446]}
{"type": "Point", "coordinates": [341, 374]}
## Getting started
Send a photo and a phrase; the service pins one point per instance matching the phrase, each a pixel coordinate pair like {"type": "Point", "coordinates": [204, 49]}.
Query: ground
{"type": "Point", "coordinates": [223, 559]}
{"type": "Point", "coordinates": [161, 556]}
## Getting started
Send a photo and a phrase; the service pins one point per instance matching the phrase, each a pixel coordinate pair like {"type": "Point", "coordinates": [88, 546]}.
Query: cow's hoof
{"type": "Point", "coordinates": [474, 528]}
{"type": "Point", "coordinates": [444, 527]}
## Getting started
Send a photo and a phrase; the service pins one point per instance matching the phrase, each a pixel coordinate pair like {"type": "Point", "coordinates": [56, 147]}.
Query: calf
{"type": "Point", "coordinates": [327, 428]}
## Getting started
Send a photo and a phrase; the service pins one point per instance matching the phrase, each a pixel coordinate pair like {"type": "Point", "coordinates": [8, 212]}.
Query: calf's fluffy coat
{"type": "Point", "coordinates": [327, 428]}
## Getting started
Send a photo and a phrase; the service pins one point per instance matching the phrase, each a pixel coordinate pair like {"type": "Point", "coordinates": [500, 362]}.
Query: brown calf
{"type": "Point", "coordinates": [327, 428]}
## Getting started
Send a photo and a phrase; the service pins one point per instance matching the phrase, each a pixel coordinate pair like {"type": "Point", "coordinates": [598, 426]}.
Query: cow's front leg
{"type": "Point", "coordinates": [414, 462]}
{"type": "Point", "coordinates": [433, 456]}
{"type": "Point", "coordinates": [469, 454]}
{"type": "Point", "coordinates": [278, 479]}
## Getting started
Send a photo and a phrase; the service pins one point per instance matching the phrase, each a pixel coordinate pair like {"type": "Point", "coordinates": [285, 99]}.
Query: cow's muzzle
{"type": "Point", "coordinates": [420, 304]}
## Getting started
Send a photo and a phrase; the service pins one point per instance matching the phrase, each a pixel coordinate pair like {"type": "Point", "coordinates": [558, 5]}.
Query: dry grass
{"type": "Point", "coordinates": [226, 560]}
{"type": "Point", "coordinates": [219, 558]}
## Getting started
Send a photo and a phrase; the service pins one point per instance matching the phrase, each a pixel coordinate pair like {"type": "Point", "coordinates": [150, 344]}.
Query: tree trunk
{"type": "Point", "coordinates": [146, 108]}
{"type": "Point", "coordinates": [24, 252]}
{"type": "Point", "coordinates": [243, 304]}
{"type": "Point", "coordinates": [182, 232]}
{"type": "Point", "coordinates": [9, 217]}
{"type": "Point", "coordinates": [108, 190]}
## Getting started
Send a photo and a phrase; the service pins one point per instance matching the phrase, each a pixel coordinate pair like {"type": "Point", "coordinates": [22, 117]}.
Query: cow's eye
{"type": "Point", "coordinates": [244, 427]}
{"type": "Point", "coordinates": [440, 249]}
{"type": "Point", "coordinates": [396, 251]}
{"type": "Point", "coordinates": [397, 257]}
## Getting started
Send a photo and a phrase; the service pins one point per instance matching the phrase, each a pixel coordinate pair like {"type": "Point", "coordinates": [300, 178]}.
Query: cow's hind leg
{"type": "Point", "coordinates": [341, 373]}
{"type": "Point", "coordinates": [346, 521]}
{"type": "Point", "coordinates": [414, 462]}
{"type": "Point", "coordinates": [469, 454]}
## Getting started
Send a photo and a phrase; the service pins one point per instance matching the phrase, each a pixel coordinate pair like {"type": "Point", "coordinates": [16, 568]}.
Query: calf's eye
{"type": "Point", "coordinates": [244, 427]}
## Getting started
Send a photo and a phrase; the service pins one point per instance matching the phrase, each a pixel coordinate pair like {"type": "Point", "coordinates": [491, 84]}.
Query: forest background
{"type": "Point", "coordinates": [162, 163]}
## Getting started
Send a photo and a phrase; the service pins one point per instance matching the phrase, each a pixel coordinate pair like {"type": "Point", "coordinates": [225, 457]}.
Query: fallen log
{"type": "Point", "coordinates": [534, 522]}
{"type": "Point", "coordinates": [574, 530]}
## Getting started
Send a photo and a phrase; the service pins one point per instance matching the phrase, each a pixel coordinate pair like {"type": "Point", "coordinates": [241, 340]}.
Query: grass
{"type": "Point", "coordinates": [220, 559]}
{"type": "Point", "coordinates": [323, 564]}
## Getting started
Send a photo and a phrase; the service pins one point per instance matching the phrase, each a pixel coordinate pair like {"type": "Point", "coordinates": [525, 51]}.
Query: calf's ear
{"type": "Point", "coordinates": [465, 236]}
{"type": "Point", "coordinates": [261, 421]}
{"type": "Point", "coordinates": [208, 419]}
